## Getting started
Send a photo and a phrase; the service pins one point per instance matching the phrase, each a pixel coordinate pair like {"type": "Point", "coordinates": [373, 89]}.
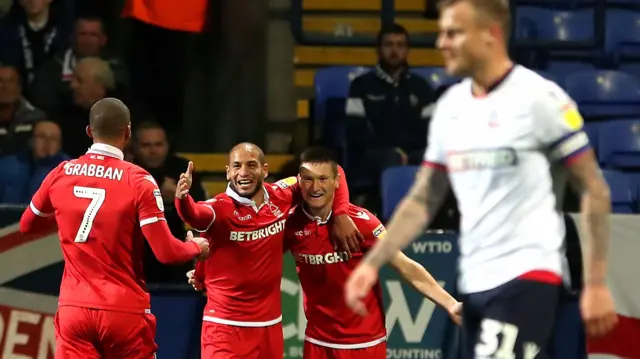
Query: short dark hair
{"type": "Point", "coordinates": [396, 29]}
{"type": "Point", "coordinates": [109, 118]}
{"type": "Point", "coordinates": [147, 125]}
{"type": "Point", "coordinates": [319, 155]}
{"type": "Point", "coordinates": [91, 18]}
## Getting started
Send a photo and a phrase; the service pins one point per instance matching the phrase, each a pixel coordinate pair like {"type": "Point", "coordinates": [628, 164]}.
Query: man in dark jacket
{"type": "Point", "coordinates": [51, 88]}
{"type": "Point", "coordinates": [33, 32]}
{"type": "Point", "coordinates": [388, 109]}
{"type": "Point", "coordinates": [152, 152]}
{"type": "Point", "coordinates": [17, 115]}
{"type": "Point", "coordinates": [22, 173]}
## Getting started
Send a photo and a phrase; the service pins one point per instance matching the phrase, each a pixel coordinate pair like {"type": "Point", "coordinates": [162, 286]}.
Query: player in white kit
{"type": "Point", "coordinates": [504, 137]}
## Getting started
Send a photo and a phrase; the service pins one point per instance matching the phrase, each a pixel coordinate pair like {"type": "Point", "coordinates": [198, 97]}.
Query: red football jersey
{"type": "Point", "coordinates": [242, 276]}
{"type": "Point", "coordinates": [323, 273]}
{"type": "Point", "coordinates": [100, 203]}
{"type": "Point", "coordinates": [243, 273]}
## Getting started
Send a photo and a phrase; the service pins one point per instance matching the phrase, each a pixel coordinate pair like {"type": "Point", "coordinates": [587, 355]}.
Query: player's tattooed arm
{"type": "Point", "coordinates": [586, 177]}
{"type": "Point", "coordinates": [413, 214]}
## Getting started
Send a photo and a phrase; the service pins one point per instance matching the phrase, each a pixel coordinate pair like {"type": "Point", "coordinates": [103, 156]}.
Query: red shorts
{"type": "Point", "coordinates": [314, 351]}
{"type": "Point", "coordinates": [83, 333]}
{"type": "Point", "coordinates": [221, 341]}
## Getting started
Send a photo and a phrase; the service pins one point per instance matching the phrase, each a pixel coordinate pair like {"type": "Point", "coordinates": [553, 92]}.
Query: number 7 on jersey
{"type": "Point", "coordinates": [96, 195]}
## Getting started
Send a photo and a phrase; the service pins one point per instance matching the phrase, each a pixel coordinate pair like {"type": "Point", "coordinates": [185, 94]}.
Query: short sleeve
{"type": "Point", "coordinates": [149, 201]}
{"type": "Point", "coordinates": [435, 155]}
{"type": "Point", "coordinates": [370, 226]}
{"type": "Point", "coordinates": [41, 202]}
{"type": "Point", "coordinates": [558, 125]}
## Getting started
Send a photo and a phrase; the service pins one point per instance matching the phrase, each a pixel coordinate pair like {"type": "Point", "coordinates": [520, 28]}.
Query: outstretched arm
{"type": "Point", "coordinates": [423, 282]}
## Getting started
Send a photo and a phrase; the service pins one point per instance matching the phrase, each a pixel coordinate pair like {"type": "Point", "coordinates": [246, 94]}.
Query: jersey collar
{"type": "Point", "coordinates": [106, 150]}
{"type": "Point", "coordinates": [246, 201]}
{"type": "Point", "coordinates": [315, 218]}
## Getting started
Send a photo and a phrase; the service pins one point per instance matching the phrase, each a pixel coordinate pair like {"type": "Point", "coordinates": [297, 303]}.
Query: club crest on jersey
{"type": "Point", "coordinates": [159, 201]}
{"type": "Point", "coordinates": [275, 210]}
{"type": "Point", "coordinates": [493, 158]}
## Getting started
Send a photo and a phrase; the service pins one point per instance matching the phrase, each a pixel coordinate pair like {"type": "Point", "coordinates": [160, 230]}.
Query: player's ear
{"type": "Point", "coordinates": [88, 130]}
{"type": "Point", "coordinates": [265, 169]}
{"type": "Point", "coordinates": [227, 173]}
{"type": "Point", "coordinates": [128, 133]}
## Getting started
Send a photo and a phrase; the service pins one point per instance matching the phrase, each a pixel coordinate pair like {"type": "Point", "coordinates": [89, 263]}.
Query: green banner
{"type": "Point", "coordinates": [416, 328]}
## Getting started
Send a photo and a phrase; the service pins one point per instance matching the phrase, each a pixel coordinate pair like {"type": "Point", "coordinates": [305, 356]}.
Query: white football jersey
{"type": "Point", "coordinates": [502, 153]}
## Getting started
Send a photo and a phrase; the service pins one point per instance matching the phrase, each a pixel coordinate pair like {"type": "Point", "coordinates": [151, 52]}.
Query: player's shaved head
{"type": "Point", "coordinates": [248, 147]}
{"type": "Point", "coordinates": [109, 118]}
{"type": "Point", "coordinates": [492, 10]}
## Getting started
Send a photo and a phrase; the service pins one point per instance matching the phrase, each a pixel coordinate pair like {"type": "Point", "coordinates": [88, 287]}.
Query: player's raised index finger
{"type": "Point", "coordinates": [190, 168]}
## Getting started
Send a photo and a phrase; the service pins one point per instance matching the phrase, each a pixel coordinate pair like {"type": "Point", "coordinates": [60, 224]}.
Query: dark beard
{"type": "Point", "coordinates": [249, 196]}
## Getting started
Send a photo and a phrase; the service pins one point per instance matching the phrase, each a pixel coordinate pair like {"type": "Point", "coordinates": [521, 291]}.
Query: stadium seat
{"type": "Point", "coordinates": [333, 82]}
{"type": "Point", "coordinates": [546, 24]}
{"type": "Point", "coordinates": [549, 76]}
{"type": "Point", "coordinates": [634, 182]}
{"type": "Point", "coordinates": [622, 200]}
{"type": "Point", "coordinates": [632, 68]}
{"type": "Point", "coordinates": [591, 129]}
{"type": "Point", "coordinates": [619, 144]}
{"type": "Point", "coordinates": [604, 94]}
{"type": "Point", "coordinates": [436, 76]}
{"type": "Point", "coordinates": [622, 33]}
{"type": "Point", "coordinates": [560, 69]}
{"type": "Point", "coordinates": [395, 183]}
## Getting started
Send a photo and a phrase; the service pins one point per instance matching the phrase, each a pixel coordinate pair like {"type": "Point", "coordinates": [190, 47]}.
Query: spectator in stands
{"type": "Point", "coordinates": [152, 152]}
{"type": "Point", "coordinates": [388, 109]}
{"type": "Point", "coordinates": [51, 88]}
{"type": "Point", "coordinates": [33, 32]}
{"type": "Point", "coordinates": [23, 173]}
{"type": "Point", "coordinates": [92, 80]}
{"type": "Point", "coordinates": [17, 115]}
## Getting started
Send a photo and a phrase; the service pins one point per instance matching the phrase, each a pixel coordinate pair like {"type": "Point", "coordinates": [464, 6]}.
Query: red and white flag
{"type": "Point", "coordinates": [624, 281]}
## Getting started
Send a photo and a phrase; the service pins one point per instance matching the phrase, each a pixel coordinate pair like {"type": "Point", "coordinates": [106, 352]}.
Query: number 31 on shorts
{"type": "Point", "coordinates": [497, 340]}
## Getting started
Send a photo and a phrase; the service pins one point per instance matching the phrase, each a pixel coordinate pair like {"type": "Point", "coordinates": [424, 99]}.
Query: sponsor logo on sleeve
{"type": "Point", "coordinates": [159, 201]}
{"type": "Point", "coordinates": [571, 117]}
{"type": "Point", "coordinates": [380, 232]}
{"type": "Point", "coordinates": [287, 182]}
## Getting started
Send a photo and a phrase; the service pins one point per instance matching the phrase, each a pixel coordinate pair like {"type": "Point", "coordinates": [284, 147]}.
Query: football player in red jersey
{"type": "Point", "coordinates": [103, 206]}
{"type": "Point", "coordinates": [242, 277]}
{"type": "Point", "coordinates": [333, 330]}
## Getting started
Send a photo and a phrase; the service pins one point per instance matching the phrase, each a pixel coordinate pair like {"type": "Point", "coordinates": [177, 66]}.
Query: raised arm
{"type": "Point", "coordinates": [201, 215]}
